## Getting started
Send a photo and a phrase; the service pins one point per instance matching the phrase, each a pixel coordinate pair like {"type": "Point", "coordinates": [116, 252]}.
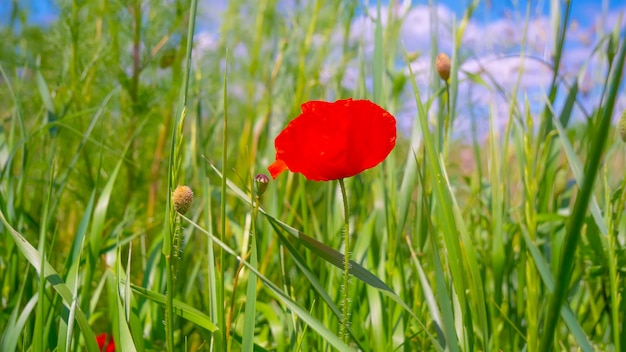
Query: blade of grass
{"type": "Point", "coordinates": [175, 160]}
{"type": "Point", "coordinates": [449, 219]}
{"type": "Point", "coordinates": [44, 92]}
{"type": "Point", "coordinates": [331, 256]}
{"type": "Point", "coordinates": [431, 301]}
{"type": "Point", "coordinates": [546, 122]}
{"type": "Point", "coordinates": [63, 179]}
{"type": "Point", "coordinates": [181, 308]}
{"type": "Point", "coordinates": [38, 342]}
{"type": "Point", "coordinates": [98, 221]}
{"type": "Point", "coordinates": [221, 338]}
{"type": "Point", "coordinates": [577, 169]}
{"type": "Point", "coordinates": [280, 294]}
{"type": "Point", "coordinates": [566, 313]}
{"type": "Point", "coordinates": [301, 263]}
{"type": "Point", "coordinates": [35, 260]}
{"type": "Point", "coordinates": [408, 180]}
{"type": "Point", "coordinates": [580, 207]}
{"type": "Point", "coordinates": [73, 269]}
{"type": "Point", "coordinates": [123, 336]}
{"type": "Point", "coordinates": [251, 297]}
{"type": "Point", "coordinates": [378, 64]}
{"type": "Point", "coordinates": [14, 324]}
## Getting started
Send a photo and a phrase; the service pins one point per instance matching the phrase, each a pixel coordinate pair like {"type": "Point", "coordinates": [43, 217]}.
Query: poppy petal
{"type": "Point", "coordinates": [101, 340]}
{"type": "Point", "coordinates": [276, 168]}
{"type": "Point", "coordinates": [329, 141]}
{"type": "Point", "coordinates": [104, 341]}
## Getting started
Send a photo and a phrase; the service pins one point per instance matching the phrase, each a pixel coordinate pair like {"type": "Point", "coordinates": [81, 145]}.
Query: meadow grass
{"type": "Point", "coordinates": [112, 106]}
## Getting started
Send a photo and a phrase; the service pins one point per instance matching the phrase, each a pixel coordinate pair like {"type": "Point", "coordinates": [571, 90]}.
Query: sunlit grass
{"type": "Point", "coordinates": [512, 240]}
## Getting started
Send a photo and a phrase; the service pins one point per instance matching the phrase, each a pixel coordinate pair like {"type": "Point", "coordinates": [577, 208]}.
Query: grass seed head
{"type": "Point", "coordinates": [182, 197]}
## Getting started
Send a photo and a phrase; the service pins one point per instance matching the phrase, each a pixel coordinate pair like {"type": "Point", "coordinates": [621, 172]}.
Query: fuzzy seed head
{"type": "Point", "coordinates": [442, 64]}
{"type": "Point", "coordinates": [182, 197]}
{"type": "Point", "coordinates": [622, 126]}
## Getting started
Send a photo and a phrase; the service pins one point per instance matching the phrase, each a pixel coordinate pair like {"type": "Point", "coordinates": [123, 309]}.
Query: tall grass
{"type": "Point", "coordinates": [114, 104]}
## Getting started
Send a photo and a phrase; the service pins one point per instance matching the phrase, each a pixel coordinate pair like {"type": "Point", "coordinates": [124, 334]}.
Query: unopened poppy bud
{"type": "Point", "coordinates": [443, 66]}
{"type": "Point", "coordinates": [182, 197]}
{"type": "Point", "coordinates": [260, 183]}
{"type": "Point", "coordinates": [622, 126]}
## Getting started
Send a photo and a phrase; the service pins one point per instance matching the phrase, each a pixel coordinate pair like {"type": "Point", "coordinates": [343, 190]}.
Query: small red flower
{"type": "Point", "coordinates": [105, 344]}
{"type": "Point", "coordinates": [329, 141]}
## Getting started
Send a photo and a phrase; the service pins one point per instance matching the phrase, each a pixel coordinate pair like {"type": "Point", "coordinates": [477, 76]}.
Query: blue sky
{"type": "Point", "coordinates": [41, 11]}
{"type": "Point", "coordinates": [491, 43]}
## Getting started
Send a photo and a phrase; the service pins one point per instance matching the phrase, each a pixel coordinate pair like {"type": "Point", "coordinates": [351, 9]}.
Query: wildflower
{"type": "Point", "coordinates": [105, 343]}
{"type": "Point", "coordinates": [622, 126]}
{"type": "Point", "coordinates": [442, 64]}
{"type": "Point", "coordinates": [329, 141]}
{"type": "Point", "coordinates": [260, 183]}
{"type": "Point", "coordinates": [182, 197]}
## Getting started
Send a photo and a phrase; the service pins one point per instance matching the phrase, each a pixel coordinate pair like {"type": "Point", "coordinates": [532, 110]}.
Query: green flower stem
{"type": "Point", "coordinates": [447, 118]}
{"type": "Point", "coordinates": [346, 268]}
{"type": "Point", "coordinates": [174, 164]}
{"type": "Point", "coordinates": [171, 263]}
{"type": "Point", "coordinates": [169, 305]}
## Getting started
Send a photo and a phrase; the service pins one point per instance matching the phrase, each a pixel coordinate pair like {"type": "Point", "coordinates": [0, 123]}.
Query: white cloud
{"type": "Point", "coordinates": [491, 48]}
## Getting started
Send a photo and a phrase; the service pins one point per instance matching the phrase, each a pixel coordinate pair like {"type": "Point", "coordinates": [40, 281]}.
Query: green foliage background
{"type": "Point", "coordinates": [522, 249]}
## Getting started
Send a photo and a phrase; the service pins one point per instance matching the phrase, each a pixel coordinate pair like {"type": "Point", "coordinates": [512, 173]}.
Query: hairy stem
{"type": "Point", "coordinates": [346, 268]}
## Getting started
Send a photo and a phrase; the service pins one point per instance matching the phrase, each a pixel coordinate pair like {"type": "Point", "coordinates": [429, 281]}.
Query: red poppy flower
{"type": "Point", "coordinates": [329, 141]}
{"type": "Point", "coordinates": [105, 344]}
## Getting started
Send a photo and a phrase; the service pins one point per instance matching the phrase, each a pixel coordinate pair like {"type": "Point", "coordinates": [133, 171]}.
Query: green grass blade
{"type": "Point", "coordinates": [577, 170]}
{"type": "Point", "coordinates": [447, 220]}
{"type": "Point", "coordinates": [580, 207]}
{"type": "Point", "coordinates": [100, 211]}
{"type": "Point", "coordinates": [251, 298]}
{"type": "Point", "coordinates": [301, 263]}
{"type": "Point", "coordinates": [431, 300]}
{"type": "Point", "coordinates": [332, 256]}
{"type": "Point", "coordinates": [566, 113]}
{"type": "Point", "coordinates": [329, 254]}
{"type": "Point", "coordinates": [281, 295]}
{"type": "Point", "coordinates": [182, 309]}
{"type": "Point", "coordinates": [38, 342]}
{"type": "Point", "coordinates": [449, 334]}
{"type": "Point", "coordinates": [174, 162]}
{"type": "Point", "coordinates": [546, 123]}
{"type": "Point", "coordinates": [378, 63]}
{"type": "Point", "coordinates": [44, 92]}
{"type": "Point", "coordinates": [35, 260]}
{"type": "Point", "coordinates": [123, 336]}
{"type": "Point", "coordinates": [221, 338]}
{"type": "Point", "coordinates": [566, 313]}
{"type": "Point", "coordinates": [73, 269]}
{"type": "Point", "coordinates": [498, 255]}
{"type": "Point", "coordinates": [408, 179]}
{"type": "Point", "coordinates": [15, 324]}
